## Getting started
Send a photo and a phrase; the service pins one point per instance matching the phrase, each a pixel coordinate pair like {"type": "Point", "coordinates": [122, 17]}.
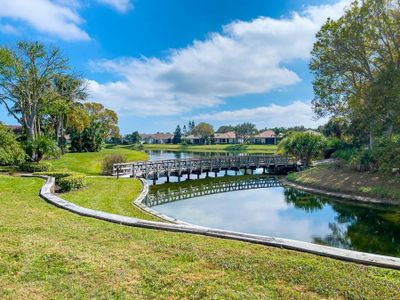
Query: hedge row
{"type": "Point", "coordinates": [32, 167]}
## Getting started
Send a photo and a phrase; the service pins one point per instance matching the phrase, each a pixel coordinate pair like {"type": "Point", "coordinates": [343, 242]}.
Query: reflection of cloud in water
{"type": "Point", "coordinates": [260, 211]}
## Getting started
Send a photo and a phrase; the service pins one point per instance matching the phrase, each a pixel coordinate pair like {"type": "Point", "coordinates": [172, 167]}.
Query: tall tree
{"type": "Point", "coordinates": [245, 131]}
{"type": "Point", "coordinates": [177, 135]}
{"type": "Point", "coordinates": [350, 54]}
{"type": "Point", "coordinates": [26, 76]}
{"type": "Point", "coordinates": [204, 130]}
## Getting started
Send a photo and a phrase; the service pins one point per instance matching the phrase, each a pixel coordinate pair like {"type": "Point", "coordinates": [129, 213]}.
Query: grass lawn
{"type": "Point", "coordinates": [346, 180]}
{"type": "Point", "coordinates": [267, 149]}
{"type": "Point", "coordinates": [90, 162]}
{"type": "Point", "coordinates": [110, 195]}
{"type": "Point", "coordinates": [47, 252]}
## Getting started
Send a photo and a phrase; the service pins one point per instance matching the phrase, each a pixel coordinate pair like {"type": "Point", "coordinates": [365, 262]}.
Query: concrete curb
{"type": "Point", "coordinates": [354, 198]}
{"type": "Point", "coordinates": [138, 202]}
{"type": "Point", "coordinates": [337, 253]}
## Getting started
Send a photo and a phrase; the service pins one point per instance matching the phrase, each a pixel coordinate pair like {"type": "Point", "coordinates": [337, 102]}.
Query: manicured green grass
{"type": "Point", "coordinates": [90, 162]}
{"type": "Point", "coordinates": [344, 179]}
{"type": "Point", "coordinates": [110, 195]}
{"type": "Point", "coordinates": [50, 253]}
{"type": "Point", "coordinates": [268, 149]}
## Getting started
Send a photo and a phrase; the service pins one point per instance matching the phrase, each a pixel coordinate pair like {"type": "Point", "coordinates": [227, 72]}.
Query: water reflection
{"type": "Point", "coordinates": [282, 212]}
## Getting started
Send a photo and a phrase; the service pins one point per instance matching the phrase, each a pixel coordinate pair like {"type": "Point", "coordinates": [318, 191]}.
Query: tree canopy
{"type": "Point", "coordinates": [356, 62]}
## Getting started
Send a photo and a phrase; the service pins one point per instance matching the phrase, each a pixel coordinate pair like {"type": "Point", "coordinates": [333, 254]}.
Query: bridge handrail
{"type": "Point", "coordinates": [158, 162]}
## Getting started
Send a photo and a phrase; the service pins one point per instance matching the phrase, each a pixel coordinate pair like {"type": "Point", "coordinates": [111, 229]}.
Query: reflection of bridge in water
{"type": "Point", "coordinates": [198, 189]}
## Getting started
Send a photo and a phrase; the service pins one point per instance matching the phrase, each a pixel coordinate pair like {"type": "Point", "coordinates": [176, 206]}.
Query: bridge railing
{"type": "Point", "coordinates": [138, 169]}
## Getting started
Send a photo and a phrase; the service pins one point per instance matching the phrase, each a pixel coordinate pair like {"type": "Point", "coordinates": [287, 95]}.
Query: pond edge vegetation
{"type": "Point", "coordinates": [336, 253]}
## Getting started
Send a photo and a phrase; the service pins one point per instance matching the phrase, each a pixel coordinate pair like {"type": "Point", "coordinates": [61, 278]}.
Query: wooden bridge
{"type": "Point", "coordinates": [272, 164]}
{"type": "Point", "coordinates": [219, 186]}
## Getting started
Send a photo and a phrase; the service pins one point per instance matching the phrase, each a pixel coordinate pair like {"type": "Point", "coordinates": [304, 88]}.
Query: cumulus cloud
{"type": "Point", "coordinates": [49, 17]}
{"type": "Point", "coordinates": [273, 115]}
{"type": "Point", "coordinates": [244, 58]}
{"type": "Point", "coordinates": [121, 6]}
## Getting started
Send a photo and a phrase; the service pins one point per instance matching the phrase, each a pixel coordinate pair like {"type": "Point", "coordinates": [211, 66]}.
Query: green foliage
{"type": "Point", "coordinates": [245, 131]}
{"type": "Point", "coordinates": [73, 182]}
{"type": "Point", "coordinates": [42, 147]}
{"type": "Point", "coordinates": [132, 138]}
{"type": "Point", "coordinates": [32, 167]}
{"type": "Point", "coordinates": [110, 160]}
{"type": "Point", "coordinates": [304, 146]}
{"type": "Point", "coordinates": [356, 66]}
{"type": "Point", "coordinates": [204, 130]}
{"type": "Point", "coordinates": [103, 124]}
{"type": "Point", "coordinates": [11, 152]}
{"type": "Point", "coordinates": [225, 128]}
{"type": "Point", "coordinates": [386, 155]}
{"type": "Point", "coordinates": [177, 135]}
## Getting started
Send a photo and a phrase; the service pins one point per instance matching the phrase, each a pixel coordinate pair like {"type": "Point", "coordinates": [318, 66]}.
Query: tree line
{"type": "Point", "coordinates": [48, 99]}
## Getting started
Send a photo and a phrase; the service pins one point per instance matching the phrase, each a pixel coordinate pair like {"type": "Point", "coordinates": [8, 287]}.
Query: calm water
{"type": "Point", "coordinates": [247, 204]}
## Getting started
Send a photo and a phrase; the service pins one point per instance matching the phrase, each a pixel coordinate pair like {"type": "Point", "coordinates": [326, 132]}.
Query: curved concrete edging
{"type": "Point", "coordinates": [339, 195]}
{"type": "Point", "coordinates": [337, 253]}
{"type": "Point", "coordinates": [138, 202]}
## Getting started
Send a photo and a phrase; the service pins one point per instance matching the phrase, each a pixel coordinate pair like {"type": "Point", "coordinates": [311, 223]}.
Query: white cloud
{"type": "Point", "coordinates": [245, 58]}
{"type": "Point", "coordinates": [7, 28]}
{"type": "Point", "coordinates": [45, 16]}
{"type": "Point", "coordinates": [296, 113]}
{"type": "Point", "coordinates": [121, 6]}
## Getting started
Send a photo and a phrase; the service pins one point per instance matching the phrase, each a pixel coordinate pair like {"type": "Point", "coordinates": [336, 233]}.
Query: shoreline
{"type": "Point", "coordinates": [336, 194]}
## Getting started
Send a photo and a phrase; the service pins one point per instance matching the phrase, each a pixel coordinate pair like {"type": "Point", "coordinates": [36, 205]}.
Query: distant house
{"type": "Point", "coordinates": [267, 137]}
{"type": "Point", "coordinates": [225, 138]}
{"type": "Point", "coordinates": [156, 138]}
{"type": "Point", "coordinates": [193, 139]}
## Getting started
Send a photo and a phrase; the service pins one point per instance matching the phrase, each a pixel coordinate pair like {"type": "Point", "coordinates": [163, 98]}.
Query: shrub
{"type": "Point", "coordinates": [364, 161]}
{"type": "Point", "coordinates": [110, 160]}
{"type": "Point", "coordinates": [73, 182]}
{"type": "Point", "coordinates": [305, 146]}
{"type": "Point", "coordinates": [11, 152]}
{"type": "Point", "coordinates": [42, 147]}
{"type": "Point", "coordinates": [32, 167]}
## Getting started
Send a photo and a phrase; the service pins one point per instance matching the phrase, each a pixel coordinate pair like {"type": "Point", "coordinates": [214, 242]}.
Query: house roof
{"type": "Point", "coordinates": [226, 135]}
{"type": "Point", "coordinates": [266, 134]}
{"type": "Point", "coordinates": [157, 136]}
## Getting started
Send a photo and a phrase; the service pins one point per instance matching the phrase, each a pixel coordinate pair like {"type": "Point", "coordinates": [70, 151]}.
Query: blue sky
{"type": "Point", "coordinates": [160, 63]}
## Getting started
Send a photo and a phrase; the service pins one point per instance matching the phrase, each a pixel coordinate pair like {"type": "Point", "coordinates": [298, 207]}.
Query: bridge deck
{"type": "Point", "coordinates": [178, 167]}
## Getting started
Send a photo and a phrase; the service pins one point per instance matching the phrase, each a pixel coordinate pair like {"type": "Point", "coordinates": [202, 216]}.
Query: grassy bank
{"type": "Point", "coordinates": [47, 252]}
{"type": "Point", "coordinates": [345, 180]}
{"type": "Point", "coordinates": [110, 195]}
{"type": "Point", "coordinates": [90, 162]}
{"type": "Point", "coordinates": [268, 149]}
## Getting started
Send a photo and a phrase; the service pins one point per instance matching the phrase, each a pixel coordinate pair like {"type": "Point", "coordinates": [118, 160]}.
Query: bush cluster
{"type": "Point", "coordinates": [72, 182]}
{"type": "Point", "coordinates": [110, 160]}
{"type": "Point", "coordinates": [66, 181]}
{"type": "Point", "coordinates": [384, 157]}
{"type": "Point", "coordinates": [32, 167]}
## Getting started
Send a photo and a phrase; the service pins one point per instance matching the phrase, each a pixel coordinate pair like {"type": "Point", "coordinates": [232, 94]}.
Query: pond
{"type": "Point", "coordinates": [261, 205]}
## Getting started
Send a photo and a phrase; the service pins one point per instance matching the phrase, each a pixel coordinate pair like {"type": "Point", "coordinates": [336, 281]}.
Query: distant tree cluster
{"type": "Point", "coordinates": [39, 89]}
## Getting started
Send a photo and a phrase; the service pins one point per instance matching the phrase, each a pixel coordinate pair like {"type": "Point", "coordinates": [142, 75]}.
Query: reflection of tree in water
{"type": "Point", "coordinates": [366, 228]}
{"type": "Point", "coordinates": [309, 203]}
